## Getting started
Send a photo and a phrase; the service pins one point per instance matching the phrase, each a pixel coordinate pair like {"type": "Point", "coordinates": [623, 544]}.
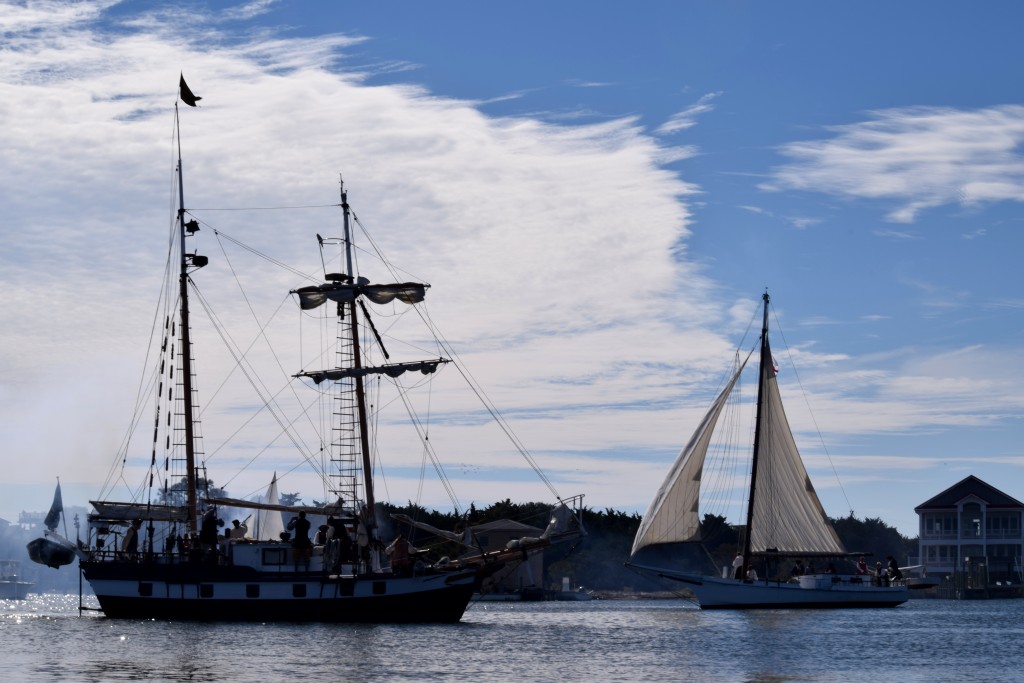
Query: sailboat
{"type": "Point", "coordinates": [11, 585]}
{"type": "Point", "coordinates": [53, 549]}
{"type": "Point", "coordinates": [785, 521]}
{"type": "Point", "coordinates": [162, 555]}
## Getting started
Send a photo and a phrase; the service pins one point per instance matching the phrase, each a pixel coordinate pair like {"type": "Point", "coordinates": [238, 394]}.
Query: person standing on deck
{"type": "Point", "coordinates": [301, 547]}
{"type": "Point", "coordinates": [130, 543]}
{"type": "Point", "coordinates": [737, 567]}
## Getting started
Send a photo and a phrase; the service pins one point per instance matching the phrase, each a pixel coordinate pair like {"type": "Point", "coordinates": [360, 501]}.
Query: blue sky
{"type": "Point", "coordinates": [617, 186]}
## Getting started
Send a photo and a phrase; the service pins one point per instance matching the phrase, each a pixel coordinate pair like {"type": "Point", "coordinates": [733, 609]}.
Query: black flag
{"type": "Point", "coordinates": [186, 95]}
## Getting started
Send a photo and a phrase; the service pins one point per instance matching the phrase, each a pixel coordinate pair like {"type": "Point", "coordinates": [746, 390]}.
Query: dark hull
{"type": "Point", "coordinates": [49, 552]}
{"type": "Point", "coordinates": [137, 591]}
{"type": "Point", "coordinates": [811, 592]}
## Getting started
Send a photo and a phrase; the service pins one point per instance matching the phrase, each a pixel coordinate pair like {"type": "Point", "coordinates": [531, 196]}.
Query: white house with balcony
{"type": "Point", "coordinates": [971, 524]}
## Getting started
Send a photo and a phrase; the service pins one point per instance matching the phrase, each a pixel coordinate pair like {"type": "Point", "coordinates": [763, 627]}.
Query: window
{"type": "Point", "coordinates": [940, 554]}
{"type": "Point", "coordinates": [272, 556]}
{"type": "Point", "coordinates": [1002, 525]}
{"type": "Point", "coordinates": [940, 525]}
{"type": "Point", "coordinates": [1007, 550]}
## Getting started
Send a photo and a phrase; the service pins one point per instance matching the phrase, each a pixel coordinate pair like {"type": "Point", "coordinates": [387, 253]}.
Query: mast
{"type": "Point", "coordinates": [357, 363]}
{"type": "Point", "coordinates": [762, 375]}
{"type": "Point", "coordinates": [186, 340]}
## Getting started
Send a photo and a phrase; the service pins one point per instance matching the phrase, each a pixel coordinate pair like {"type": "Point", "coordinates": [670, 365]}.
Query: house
{"type": "Point", "coordinates": [971, 526]}
{"type": "Point", "coordinates": [520, 577]}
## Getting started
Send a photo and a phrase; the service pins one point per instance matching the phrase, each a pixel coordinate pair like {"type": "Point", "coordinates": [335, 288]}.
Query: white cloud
{"type": "Point", "coordinates": [547, 246]}
{"type": "Point", "coordinates": [557, 254]}
{"type": "Point", "coordinates": [687, 118]}
{"type": "Point", "coordinates": [917, 158]}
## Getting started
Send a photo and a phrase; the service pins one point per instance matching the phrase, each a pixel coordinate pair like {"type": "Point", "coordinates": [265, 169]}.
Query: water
{"type": "Point", "coordinates": [926, 641]}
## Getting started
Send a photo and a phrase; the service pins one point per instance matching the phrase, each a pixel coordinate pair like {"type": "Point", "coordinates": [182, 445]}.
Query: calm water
{"type": "Point", "coordinates": [44, 639]}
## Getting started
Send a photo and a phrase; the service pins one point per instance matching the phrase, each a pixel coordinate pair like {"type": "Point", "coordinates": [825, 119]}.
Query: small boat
{"type": "Point", "coordinates": [11, 585]}
{"type": "Point", "coordinates": [52, 549]}
{"type": "Point", "coordinates": [785, 520]}
{"type": "Point", "coordinates": [161, 555]}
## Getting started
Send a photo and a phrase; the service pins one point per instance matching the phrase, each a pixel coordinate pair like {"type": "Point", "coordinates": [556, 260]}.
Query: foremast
{"type": "Point", "coordinates": [766, 362]}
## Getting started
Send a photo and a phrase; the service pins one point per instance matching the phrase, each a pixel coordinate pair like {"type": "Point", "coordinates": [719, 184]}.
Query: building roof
{"type": "Point", "coordinates": [971, 486]}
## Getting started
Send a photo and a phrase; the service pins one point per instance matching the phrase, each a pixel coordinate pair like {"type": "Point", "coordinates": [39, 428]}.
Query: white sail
{"type": "Point", "coordinates": [673, 516]}
{"type": "Point", "coordinates": [787, 515]}
{"type": "Point", "coordinates": [268, 524]}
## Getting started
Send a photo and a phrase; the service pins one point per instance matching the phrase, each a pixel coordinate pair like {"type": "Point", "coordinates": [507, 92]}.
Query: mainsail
{"type": "Point", "coordinates": [787, 515]}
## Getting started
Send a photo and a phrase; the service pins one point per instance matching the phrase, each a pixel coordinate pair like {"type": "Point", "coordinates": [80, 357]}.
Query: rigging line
{"type": "Point", "coordinates": [253, 250]}
{"type": "Point", "coordinates": [318, 470]}
{"type": "Point", "coordinates": [488, 405]}
{"type": "Point", "coordinates": [442, 477]}
{"type": "Point", "coordinates": [142, 391]}
{"type": "Point", "coordinates": [803, 392]}
{"type": "Point", "coordinates": [261, 326]}
{"type": "Point", "coordinates": [500, 419]}
{"type": "Point", "coordinates": [374, 428]}
{"type": "Point", "coordinates": [485, 400]}
{"type": "Point", "coordinates": [144, 386]}
{"type": "Point", "coordinates": [430, 396]}
{"type": "Point", "coordinates": [300, 447]}
{"type": "Point", "coordinates": [392, 269]}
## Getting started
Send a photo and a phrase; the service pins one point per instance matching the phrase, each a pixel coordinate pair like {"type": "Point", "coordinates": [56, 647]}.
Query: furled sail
{"type": "Point", "coordinates": [673, 515]}
{"type": "Point", "coordinates": [126, 512]}
{"type": "Point", "coordinates": [787, 516]}
{"type": "Point", "coordinates": [317, 295]}
{"type": "Point", "coordinates": [391, 370]}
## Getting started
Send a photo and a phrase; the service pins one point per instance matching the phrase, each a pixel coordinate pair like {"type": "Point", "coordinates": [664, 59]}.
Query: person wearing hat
{"type": "Point", "coordinates": [238, 529]}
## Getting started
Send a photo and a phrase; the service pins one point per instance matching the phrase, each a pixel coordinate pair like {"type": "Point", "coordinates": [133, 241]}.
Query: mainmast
{"type": "Point", "coordinates": [357, 364]}
{"type": "Point", "coordinates": [766, 362]}
{"type": "Point", "coordinates": [186, 341]}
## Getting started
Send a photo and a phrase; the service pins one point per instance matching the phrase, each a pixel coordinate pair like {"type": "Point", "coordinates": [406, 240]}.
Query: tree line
{"type": "Point", "coordinates": [597, 561]}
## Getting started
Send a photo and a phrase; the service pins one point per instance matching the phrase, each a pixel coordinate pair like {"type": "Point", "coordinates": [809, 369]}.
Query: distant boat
{"type": "Point", "coordinates": [11, 585]}
{"type": "Point", "coordinates": [785, 519]}
{"type": "Point", "coordinates": [53, 549]}
{"type": "Point", "coordinates": [161, 556]}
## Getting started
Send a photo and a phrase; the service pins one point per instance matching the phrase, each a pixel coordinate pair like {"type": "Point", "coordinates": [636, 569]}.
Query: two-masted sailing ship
{"type": "Point", "coordinates": [785, 521]}
{"type": "Point", "coordinates": [163, 554]}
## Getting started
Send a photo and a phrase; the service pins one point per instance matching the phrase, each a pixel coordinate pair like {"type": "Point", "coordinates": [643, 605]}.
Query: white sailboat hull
{"type": "Point", "coordinates": [814, 591]}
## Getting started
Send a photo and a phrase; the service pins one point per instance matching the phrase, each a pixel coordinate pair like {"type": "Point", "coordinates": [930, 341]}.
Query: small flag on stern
{"type": "Point", "coordinates": [186, 95]}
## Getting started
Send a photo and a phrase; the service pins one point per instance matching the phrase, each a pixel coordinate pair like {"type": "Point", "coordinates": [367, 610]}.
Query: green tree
{"type": "Point", "coordinates": [176, 493]}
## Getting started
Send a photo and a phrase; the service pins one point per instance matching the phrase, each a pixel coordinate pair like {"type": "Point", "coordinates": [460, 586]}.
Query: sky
{"type": "Point", "coordinates": [598, 196]}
